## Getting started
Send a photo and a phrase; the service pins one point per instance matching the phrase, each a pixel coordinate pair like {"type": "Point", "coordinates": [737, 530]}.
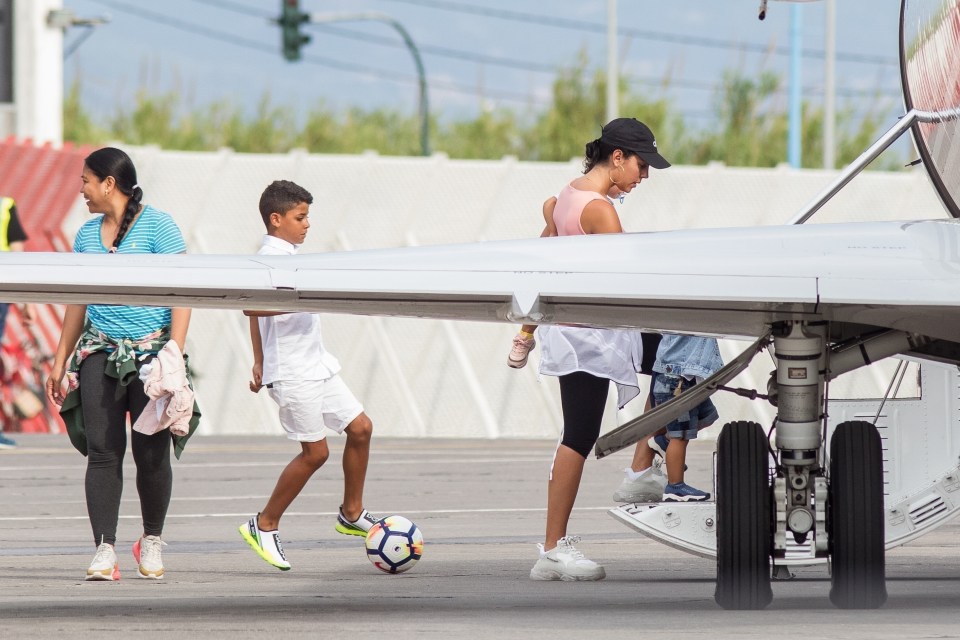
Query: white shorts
{"type": "Point", "coordinates": [307, 406]}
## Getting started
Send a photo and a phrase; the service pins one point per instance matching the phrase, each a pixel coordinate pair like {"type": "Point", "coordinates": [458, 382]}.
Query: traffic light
{"type": "Point", "coordinates": [290, 20]}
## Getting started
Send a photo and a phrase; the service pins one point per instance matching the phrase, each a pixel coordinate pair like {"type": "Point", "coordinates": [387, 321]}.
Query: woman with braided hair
{"type": "Point", "coordinates": [101, 349]}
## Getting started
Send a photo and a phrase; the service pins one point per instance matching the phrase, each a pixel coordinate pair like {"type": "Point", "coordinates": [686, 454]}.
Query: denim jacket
{"type": "Point", "coordinates": [688, 356]}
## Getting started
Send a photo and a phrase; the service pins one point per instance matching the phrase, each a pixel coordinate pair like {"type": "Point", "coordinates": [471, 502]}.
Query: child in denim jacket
{"type": "Point", "coordinates": [683, 361]}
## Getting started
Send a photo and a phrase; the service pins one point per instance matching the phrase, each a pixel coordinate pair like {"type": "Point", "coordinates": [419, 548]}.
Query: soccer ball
{"type": "Point", "coordinates": [394, 544]}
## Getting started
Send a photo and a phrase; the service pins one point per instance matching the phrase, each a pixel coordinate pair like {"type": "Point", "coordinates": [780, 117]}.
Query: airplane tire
{"type": "Point", "coordinates": [744, 535]}
{"type": "Point", "coordinates": [855, 517]}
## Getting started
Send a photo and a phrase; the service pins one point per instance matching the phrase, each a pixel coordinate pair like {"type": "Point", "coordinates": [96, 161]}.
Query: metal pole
{"type": "Point", "coordinates": [613, 75]}
{"type": "Point", "coordinates": [424, 109]}
{"type": "Point", "coordinates": [830, 86]}
{"type": "Point", "coordinates": [865, 158]}
{"type": "Point", "coordinates": [794, 153]}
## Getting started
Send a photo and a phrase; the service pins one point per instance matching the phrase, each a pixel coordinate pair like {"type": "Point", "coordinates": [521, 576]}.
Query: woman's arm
{"type": "Point", "coordinates": [599, 216]}
{"type": "Point", "coordinates": [72, 328]}
{"type": "Point", "coordinates": [179, 322]}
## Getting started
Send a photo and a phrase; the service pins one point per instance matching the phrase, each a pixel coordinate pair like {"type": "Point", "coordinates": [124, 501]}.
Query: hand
{"type": "Point", "coordinates": [54, 386]}
{"type": "Point", "coordinates": [257, 383]}
{"type": "Point", "coordinates": [28, 313]}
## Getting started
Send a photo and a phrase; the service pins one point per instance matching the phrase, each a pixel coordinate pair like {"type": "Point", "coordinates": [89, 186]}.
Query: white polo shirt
{"type": "Point", "coordinates": [292, 343]}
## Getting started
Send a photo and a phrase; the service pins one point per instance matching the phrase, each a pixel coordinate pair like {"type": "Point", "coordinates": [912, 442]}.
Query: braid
{"type": "Point", "coordinates": [133, 207]}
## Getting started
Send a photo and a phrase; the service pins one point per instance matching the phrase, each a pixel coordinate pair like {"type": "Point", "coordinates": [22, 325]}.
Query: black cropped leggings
{"type": "Point", "coordinates": [583, 397]}
{"type": "Point", "coordinates": [105, 421]}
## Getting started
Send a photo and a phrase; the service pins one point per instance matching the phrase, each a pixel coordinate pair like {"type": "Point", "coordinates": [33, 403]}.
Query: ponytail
{"type": "Point", "coordinates": [599, 152]}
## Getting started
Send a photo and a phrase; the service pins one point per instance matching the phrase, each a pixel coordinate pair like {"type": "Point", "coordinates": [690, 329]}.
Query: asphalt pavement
{"type": "Point", "coordinates": [480, 505]}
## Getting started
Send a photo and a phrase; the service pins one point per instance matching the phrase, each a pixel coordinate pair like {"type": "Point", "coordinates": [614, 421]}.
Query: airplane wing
{"type": "Point", "coordinates": [733, 282]}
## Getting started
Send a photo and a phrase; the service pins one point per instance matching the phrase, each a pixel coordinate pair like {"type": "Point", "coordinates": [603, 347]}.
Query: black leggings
{"type": "Point", "coordinates": [105, 422]}
{"type": "Point", "coordinates": [583, 397]}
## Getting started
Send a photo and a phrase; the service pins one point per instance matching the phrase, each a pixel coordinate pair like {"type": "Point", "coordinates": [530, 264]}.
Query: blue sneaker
{"type": "Point", "coordinates": [682, 492]}
{"type": "Point", "coordinates": [6, 443]}
{"type": "Point", "coordinates": [659, 445]}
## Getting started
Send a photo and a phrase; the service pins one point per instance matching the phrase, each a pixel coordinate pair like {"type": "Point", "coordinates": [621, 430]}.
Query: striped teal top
{"type": "Point", "coordinates": [152, 232]}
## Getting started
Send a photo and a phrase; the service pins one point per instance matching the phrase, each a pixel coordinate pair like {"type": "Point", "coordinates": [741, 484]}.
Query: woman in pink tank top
{"type": "Point", "coordinates": [585, 359]}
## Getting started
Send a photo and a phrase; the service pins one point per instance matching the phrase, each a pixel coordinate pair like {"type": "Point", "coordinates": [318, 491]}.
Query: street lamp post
{"type": "Point", "coordinates": [613, 73]}
{"type": "Point", "coordinates": [322, 18]}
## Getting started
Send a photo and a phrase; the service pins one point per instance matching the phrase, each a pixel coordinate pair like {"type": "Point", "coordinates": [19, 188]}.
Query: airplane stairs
{"type": "Point", "coordinates": [921, 447]}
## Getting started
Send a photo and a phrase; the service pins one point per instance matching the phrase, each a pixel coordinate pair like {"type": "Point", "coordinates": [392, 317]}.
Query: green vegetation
{"type": "Point", "coordinates": [750, 127]}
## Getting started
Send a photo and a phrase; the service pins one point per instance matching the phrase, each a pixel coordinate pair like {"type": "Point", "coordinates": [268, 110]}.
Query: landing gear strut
{"type": "Point", "coordinates": [841, 515]}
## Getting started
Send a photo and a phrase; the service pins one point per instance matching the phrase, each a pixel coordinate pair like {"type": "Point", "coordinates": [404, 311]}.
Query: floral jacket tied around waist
{"type": "Point", "coordinates": [120, 365]}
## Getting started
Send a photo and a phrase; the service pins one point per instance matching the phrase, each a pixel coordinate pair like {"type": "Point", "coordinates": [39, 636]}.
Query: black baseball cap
{"type": "Point", "coordinates": [630, 134]}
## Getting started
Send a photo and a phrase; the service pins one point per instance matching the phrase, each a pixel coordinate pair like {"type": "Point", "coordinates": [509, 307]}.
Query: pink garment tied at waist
{"type": "Point", "coordinates": [171, 398]}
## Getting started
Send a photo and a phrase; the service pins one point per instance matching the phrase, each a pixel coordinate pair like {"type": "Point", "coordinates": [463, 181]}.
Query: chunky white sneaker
{"type": "Point", "coordinates": [146, 551]}
{"type": "Point", "coordinates": [647, 488]}
{"type": "Point", "coordinates": [522, 346]}
{"type": "Point", "coordinates": [104, 565]}
{"type": "Point", "coordinates": [265, 543]}
{"type": "Point", "coordinates": [565, 562]}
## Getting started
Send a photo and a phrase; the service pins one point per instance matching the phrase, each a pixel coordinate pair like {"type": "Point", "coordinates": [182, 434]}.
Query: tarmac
{"type": "Point", "coordinates": [480, 505]}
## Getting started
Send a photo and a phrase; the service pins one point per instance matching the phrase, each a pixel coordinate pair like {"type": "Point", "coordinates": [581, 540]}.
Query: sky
{"type": "Point", "coordinates": [486, 54]}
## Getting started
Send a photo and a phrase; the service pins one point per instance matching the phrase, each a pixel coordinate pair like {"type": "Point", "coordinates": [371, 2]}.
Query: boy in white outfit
{"type": "Point", "coordinates": [301, 377]}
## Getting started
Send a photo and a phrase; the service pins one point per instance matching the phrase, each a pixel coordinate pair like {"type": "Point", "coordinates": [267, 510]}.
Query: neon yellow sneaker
{"type": "Point", "coordinates": [358, 527]}
{"type": "Point", "coordinates": [265, 543]}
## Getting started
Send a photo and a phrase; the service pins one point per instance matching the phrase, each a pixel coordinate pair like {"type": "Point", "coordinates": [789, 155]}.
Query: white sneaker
{"type": "Point", "coordinates": [104, 565]}
{"type": "Point", "coordinates": [266, 543]}
{"type": "Point", "coordinates": [647, 488]}
{"type": "Point", "coordinates": [520, 350]}
{"type": "Point", "coordinates": [565, 562]}
{"type": "Point", "coordinates": [146, 551]}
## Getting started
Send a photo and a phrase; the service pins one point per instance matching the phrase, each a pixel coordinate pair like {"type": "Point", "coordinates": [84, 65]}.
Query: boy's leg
{"type": "Point", "coordinates": [356, 456]}
{"type": "Point", "coordinates": [677, 490]}
{"type": "Point", "coordinates": [291, 482]}
{"type": "Point", "coordinates": [676, 457]}
{"type": "Point", "coordinates": [643, 454]}
{"type": "Point", "coordinates": [642, 482]}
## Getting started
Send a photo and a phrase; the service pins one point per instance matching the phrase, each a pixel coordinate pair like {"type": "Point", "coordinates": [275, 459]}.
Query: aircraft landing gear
{"type": "Point", "coordinates": [743, 518]}
{"type": "Point", "coordinates": [855, 522]}
{"type": "Point", "coordinates": [840, 515]}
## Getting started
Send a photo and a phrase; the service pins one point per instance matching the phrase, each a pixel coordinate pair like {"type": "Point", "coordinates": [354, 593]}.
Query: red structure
{"type": "Point", "coordinates": [45, 182]}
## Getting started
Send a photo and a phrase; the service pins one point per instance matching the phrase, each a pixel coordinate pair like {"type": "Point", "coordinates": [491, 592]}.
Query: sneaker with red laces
{"type": "Point", "coordinates": [523, 344]}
